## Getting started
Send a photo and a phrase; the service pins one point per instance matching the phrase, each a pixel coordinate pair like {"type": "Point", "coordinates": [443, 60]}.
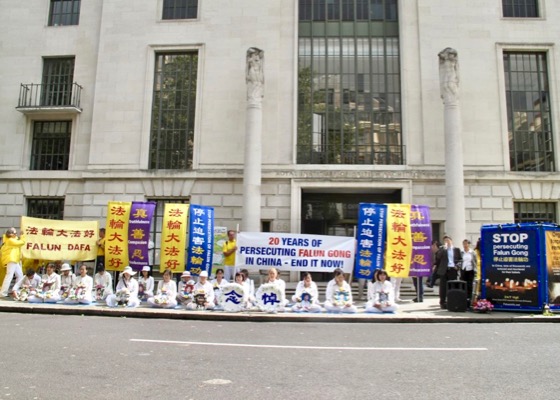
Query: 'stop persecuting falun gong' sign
{"type": "Point", "coordinates": [294, 252]}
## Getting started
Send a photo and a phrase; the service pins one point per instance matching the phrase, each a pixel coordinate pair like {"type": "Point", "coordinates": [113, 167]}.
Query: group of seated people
{"type": "Point", "coordinates": [218, 294]}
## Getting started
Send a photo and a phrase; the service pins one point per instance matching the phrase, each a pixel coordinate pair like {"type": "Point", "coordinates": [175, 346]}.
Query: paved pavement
{"type": "Point", "coordinates": [409, 312]}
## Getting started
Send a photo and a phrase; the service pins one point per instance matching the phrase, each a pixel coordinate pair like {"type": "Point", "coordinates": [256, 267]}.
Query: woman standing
{"type": "Point", "coordinates": [11, 258]}
{"type": "Point", "coordinates": [469, 267]}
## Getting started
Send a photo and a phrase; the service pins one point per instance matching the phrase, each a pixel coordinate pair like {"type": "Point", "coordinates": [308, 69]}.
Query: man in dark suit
{"type": "Point", "coordinates": [447, 262]}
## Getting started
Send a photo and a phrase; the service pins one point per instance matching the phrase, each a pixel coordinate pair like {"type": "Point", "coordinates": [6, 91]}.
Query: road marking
{"type": "Point", "coordinates": [273, 346]}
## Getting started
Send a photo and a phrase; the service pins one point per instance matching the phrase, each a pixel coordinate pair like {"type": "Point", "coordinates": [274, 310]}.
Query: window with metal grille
{"type": "Point", "coordinates": [51, 145]}
{"type": "Point", "coordinates": [530, 130]}
{"type": "Point", "coordinates": [64, 12]}
{"type": "Point", "coordinates": [349, 109]}
{"type": "Point", "coordinates": [520, 8]}
{"type": "Point", "coordinates": [58, 75]}
{"type": "Point", "coordinates": [173, 111]}
{"type": "Point", "coordinates": [45, 207]}
{"type": "Point", "coordinates": [180, 9]}
{"type": "Point", "coordinates": [534, 212]}
{"type": "Point", "coordinates": [157, 223]}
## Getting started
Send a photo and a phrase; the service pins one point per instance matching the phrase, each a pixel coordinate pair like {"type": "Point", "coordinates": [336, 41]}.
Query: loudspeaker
{"type": "Point", "coordinates": [457, 296]}
{"type": "Point", "coordinates": [457, 300]}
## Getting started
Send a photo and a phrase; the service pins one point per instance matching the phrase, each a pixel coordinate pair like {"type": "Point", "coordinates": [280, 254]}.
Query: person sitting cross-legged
{"type": "Point", "coordinates": [166, 294]}
{"type": "Point", "coordinates": [381, 297]}
{"type": "Point", "coordinates": [81, 290]}
{"type": "Point", "coordinates": [339, 295]}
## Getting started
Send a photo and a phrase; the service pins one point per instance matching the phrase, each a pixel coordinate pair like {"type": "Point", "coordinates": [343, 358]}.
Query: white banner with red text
{"type": "Point", "coordinates": [294, 252]}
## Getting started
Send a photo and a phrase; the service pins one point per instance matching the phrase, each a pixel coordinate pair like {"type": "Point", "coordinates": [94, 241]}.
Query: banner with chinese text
{"type": "Point", "coordinates": [116, 235]}
{"type": "Point", "coordinates": [371, 236]}
{"type": "Point", "coordinates": [139, 233]}
{"type": "Point", "coordinates": [201, 239]}
{"type": "Point", "coordinates": [399, 240]}
{"type": "Point", "coordinates": [174, 237]}
{"type": "Point", "coordinates": [48, 239]}
{"type": "Point", "coordinates": [421, 231]}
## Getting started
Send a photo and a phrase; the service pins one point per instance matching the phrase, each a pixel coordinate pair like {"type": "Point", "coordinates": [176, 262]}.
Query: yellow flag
{"type": "Point", "coordinates": [399, 240]}
{"type": "Point", "coordinates": [174, 237]}
{"type": "Point", "coordinates": [116, 235]}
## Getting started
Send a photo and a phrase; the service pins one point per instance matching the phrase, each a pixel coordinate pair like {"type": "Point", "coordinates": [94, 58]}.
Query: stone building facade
{"type": "Point", "coordinates": [146, 100]}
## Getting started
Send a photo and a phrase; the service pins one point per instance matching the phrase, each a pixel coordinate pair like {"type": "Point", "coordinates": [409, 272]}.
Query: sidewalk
{"type": "Point", "coordinates": [409, 312]}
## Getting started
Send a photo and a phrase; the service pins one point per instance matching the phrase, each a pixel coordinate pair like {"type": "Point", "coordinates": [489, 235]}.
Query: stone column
{"type": "Point", "coordinates": [454, 179]}
{"type": "Point", "coordinates": [253, 141]}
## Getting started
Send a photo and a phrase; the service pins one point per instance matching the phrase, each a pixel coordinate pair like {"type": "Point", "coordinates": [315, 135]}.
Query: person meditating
{"type": "Point", "coordinates": [381, 297]}
{"type": "Point", "coordinates": [126, 294]}
{"type": "Point", "coordinates": [339, 295]}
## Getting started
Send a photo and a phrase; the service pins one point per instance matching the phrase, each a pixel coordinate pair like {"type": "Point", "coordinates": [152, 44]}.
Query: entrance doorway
{"type": "Point", "coordinates": [336, 213]}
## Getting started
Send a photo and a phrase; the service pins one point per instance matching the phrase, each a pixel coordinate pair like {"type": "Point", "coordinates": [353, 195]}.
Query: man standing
{"type": "Point", "coordinates": [448, 262]}
{"type": "Point", "coordinates": [100, 249]}
{"type": "Point", "coordinates": [229, 249]}
{"type": "Point", "coordinates": [11, 258]}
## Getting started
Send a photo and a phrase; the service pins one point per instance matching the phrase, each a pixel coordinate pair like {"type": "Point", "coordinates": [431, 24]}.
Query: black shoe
{"type": "Point", "coordinates": [443, 306]}
{"type": "Point", "coordinates": [417, 301]}
{"type": "Point", "coordinates": [430, 285]}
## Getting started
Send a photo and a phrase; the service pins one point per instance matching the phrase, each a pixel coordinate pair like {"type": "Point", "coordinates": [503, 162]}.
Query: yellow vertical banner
{"type": "Point", "coordinates": [399, 241]}
{"type": "Point", "coordinates": [174, 237]}
{"type": "Point", "coordinates": [116, 235]}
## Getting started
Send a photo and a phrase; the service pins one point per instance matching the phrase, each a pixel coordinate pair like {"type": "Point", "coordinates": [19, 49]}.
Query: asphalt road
{"type": "Point", "coordinates": [52, 357]}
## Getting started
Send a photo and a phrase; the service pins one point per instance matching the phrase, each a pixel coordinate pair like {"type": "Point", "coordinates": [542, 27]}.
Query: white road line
{"type": "Point", "coordinates": [273, 346]}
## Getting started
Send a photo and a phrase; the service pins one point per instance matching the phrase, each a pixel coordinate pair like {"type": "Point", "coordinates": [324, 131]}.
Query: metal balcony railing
{"type": "Point", "coordinates": [59, 95]}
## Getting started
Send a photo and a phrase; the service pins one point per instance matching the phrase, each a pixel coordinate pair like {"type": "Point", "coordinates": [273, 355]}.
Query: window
{"type": "Point", "coordinates": [156, 228]}
{"type": "Point", "coordinates": [51, 145]}
{"type": "Point", "coordinates": [528, 112]}
{"type": "Point", "coordinates": [58, 75]}
{"type": "Point", "coordinates": [534, 212]}
{"type": "Point", "coordinates": [64, 12]}
{"type": "Point", "coordinates": [349, 91]}
{"type": "Point", "coordinates": [180, 9]}
{"type": "Point", "coordinates": [520, 8]}
{"type": "Point", "coordinates": [173, 111]}
{"type": "Point", "coordinates": [45, 207]}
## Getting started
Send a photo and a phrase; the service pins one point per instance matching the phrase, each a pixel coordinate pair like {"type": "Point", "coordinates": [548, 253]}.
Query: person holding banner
{"type": "Point", "coordinates": [81, 289]}
{"type": "Point", "coordinates": [49, 290]}
{"type": "Point", "coordinates": [448, 262]}
{"type": "Point", "coordinates": [11, 258]}
{"type": "Point", "coordinates": [339, 295]}
{"type": "Point", "coordinates": [146, 284]}
{"type": "Point", "coordinates": [229, 249]}
{"type": "Point", "coordinates": [127, 290]}
{"type": "Point", "coordinates": [307, 295]}
{"type": "Point", "coordinates": [381, 297]}
{"type": "Point", "coordinates": [26, 285]}
{"type": "Point", "coordinates": [103, 283]}
{"type": "Point", "coordinates": [204, 289]}
{"type": "Point", "coordinates": [166, 292]}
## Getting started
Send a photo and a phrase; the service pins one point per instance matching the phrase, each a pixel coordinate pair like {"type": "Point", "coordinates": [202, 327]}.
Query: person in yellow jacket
{"type": "Point", "coordinates": [11, 258]}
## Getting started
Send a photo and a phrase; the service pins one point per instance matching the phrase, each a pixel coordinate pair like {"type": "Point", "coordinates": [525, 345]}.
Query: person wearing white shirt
{"type": "Point", "coordinates": [381, 297]}
{"type": "Point", "coordinates": [339, 295]}
{"type": "Point", "coordinates": [280, 285]}
{"type": "Point", "coordinates": [218, 283]}
{"type": "Point", "coordinates": [166, 294]}
{"type": "Point", "coordinates": [126, 293]}
{"type": "Point", "coordinates": [49, 289]}
{"type": "Point", "coordinates": [468, 267]}
{"type": "Point", "coordinates": [249, 286]}
{"type": "Point", "coordinates": [203, 287]}
{"type": "Point", "coordinates": [103, 284]}
{"type": "Point", "coordinates": [307, 295]}
{"type": "Point", "coordinates": [185, 289]}
{"type": "Point", "coordinates": [145, 284]}
{"type": "Point", "coordinates": [66, 279]}
{"type": "Point", "coordinates": [29, 283]}
{"type": "Point", "coordinates": [82, 288]}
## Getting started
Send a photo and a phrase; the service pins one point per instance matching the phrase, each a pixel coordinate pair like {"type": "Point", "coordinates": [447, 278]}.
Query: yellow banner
{"type": "Point", "coordinates": [399, 240]}
{"type": "Point", "coordinates": [116, 235]}
{"type": "Point", "coordinates": [174, 237]}
{"type": "Point", "coordinates": [49, 239]}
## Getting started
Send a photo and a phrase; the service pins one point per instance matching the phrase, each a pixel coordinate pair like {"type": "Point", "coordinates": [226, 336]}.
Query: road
{"type": "Point", "coordinates": [50, 357]}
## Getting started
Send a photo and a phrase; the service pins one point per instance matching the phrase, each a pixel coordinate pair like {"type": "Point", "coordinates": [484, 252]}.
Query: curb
{"type": "Point", "coordinates": [257, 316]}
